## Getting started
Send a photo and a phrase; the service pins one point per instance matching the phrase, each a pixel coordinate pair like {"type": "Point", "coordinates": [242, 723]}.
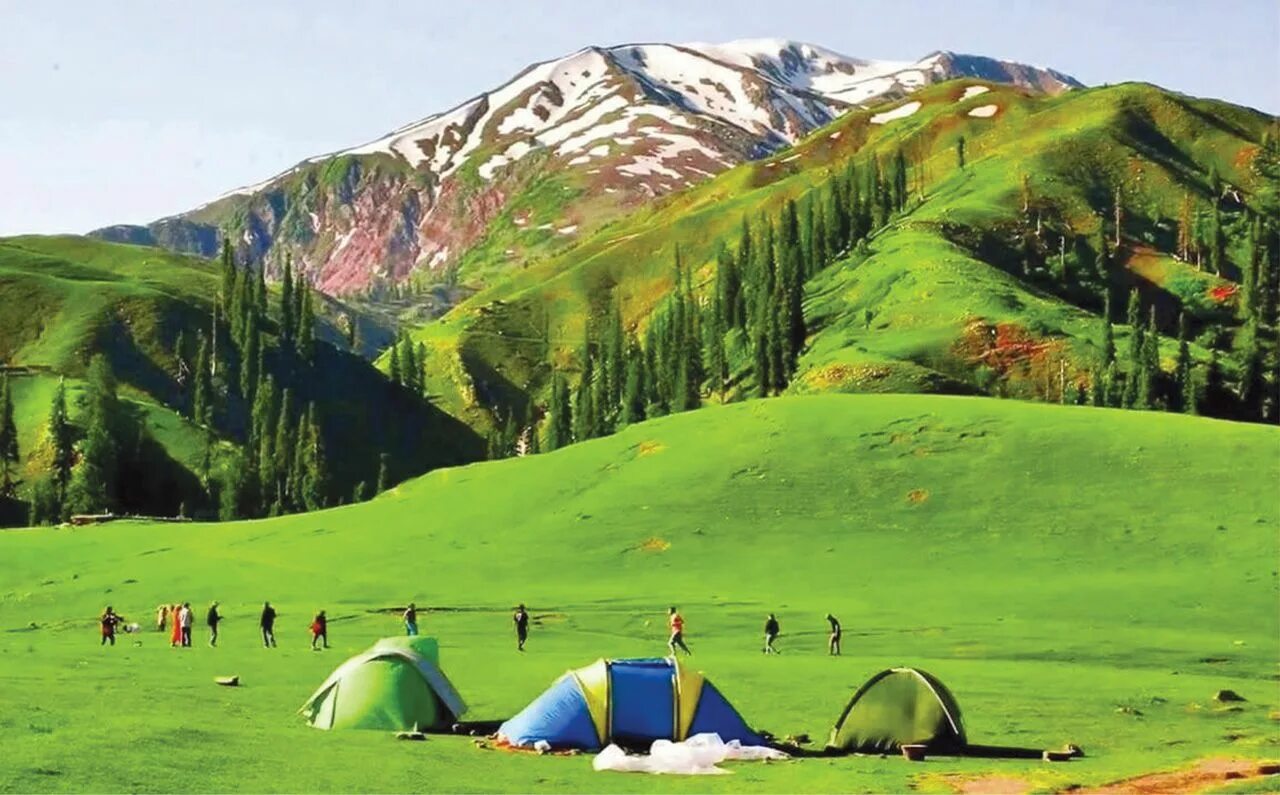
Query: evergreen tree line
{"type": "Point", "coordinates": [408, 365]}
{"type": "Point", "coordinates": [753, 308]}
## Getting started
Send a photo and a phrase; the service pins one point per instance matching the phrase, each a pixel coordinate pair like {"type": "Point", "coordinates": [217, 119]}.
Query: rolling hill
{"type": "Point", "coordinates": [989, 280]}
{"type": "Point", "coordinates": [465, 196]}
{"type": "Point", "coordinates": [69, 298]}
{"type": "Point", "coordinates": [1073, 574]}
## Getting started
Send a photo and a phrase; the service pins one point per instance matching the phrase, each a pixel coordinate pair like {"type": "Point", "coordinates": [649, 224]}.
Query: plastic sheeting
{"type": "Point", "coordinates": [697, 756]}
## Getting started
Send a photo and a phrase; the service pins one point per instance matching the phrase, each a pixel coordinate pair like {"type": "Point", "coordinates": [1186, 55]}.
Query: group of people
{"type": "Point", "coordinates": [772, 629]}
{"type": "Point", "coordinates": [179, 618]}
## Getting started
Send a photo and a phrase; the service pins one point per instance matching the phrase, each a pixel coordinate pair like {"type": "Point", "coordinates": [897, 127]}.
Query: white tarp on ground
{"type": "Point", "coordinates": [696, 756]}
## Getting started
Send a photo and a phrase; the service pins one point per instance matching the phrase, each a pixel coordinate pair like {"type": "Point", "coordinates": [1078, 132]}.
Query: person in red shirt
{"type": "Point", "coordinates": [676, 622]}
{"type": "Point", "coordinates": [319, 631]}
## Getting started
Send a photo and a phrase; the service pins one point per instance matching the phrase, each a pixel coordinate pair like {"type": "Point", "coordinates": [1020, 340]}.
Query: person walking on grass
{"type": "Point", "coordinates": [676, 622]}
{"type": "Point", "coordinates": [185, 617]}
{"type": "Point", "coordinates": [319, 631]}
{"type": "Point", "coordinates": [109, 621]}
{"type": "Point", "coordinates": [833, 641]}
{"type": "Point", "coordinates": [162, 617]}
{"type": "Point", "coordinates": [770, 634]}
{"type": "Point", "coordinates": [268, 625]}
{"type": "Point", "coordinates": [175, 631]}
{"type": "Point", "coordinates": [521, 620]}
{"type": "Point", "coordinates": [411, 620]}
{"type": "Point", "coordinates": [213, 619]}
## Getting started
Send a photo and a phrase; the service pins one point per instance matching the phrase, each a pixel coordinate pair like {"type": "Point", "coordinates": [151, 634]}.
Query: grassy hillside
{"type": "Point", "coordinates": [68, 298]}
{"type": "Point", "coordinates": [1073, 574]}
{"type": "Point", "coordinates": [975, 254]}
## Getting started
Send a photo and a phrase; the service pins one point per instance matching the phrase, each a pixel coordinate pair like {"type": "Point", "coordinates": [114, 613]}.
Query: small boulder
{"type": "Point", "coordinates": [227, 681]}
{"type": "Point", "coordinates": [1223, 696]}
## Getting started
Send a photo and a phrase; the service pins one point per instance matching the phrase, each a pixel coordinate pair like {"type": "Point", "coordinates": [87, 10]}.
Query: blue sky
{"type": "Point", "coordinates": [127, 111]}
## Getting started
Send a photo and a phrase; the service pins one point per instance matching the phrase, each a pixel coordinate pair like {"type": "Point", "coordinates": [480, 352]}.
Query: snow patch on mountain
{"type": "Point", "coordinates": [900, 112]}
{"type": "Point", "coordinates": [984, 111]}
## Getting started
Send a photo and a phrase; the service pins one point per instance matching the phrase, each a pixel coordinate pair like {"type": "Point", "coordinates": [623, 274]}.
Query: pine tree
{"type": "Point", "coordinates": [716, 357]}
{"type": "Point", "coordinates": [559, 415]}
{"type": "Point", "coordinates": [1147, 397]}
{"type": "Point", "coordinates": [421, 380]}
{"type": "Point", "coordinates": [181, 368]}
{"type": "Point", "coordinates": [1135, 352]}
{"type": "Point", "coordinates": [1252, 378]}
{"type": "Point", "coordinates": [284, 450]}
{"type": "Point", "coordinates": [1184, 398]}
{"type": "Point", "coordinates": [228, 274]}
{"type": "Point", "coordinates": [409, 370]}
{"type": "Point", "coordinates": [1217, 241]}
{"type": "Point", "coordinates": [251, 358]}
{"type": "Point", "coordinates": [899, 181]}
{"type": "Point", "coordinates": [202, 393]}
{"type": "Point", "coordinates": [9, 458]}
{"type": "Point", "coordinates": [395, 371]}
{"type": "Point", "coordinates": [960, 152]}
{"type": "Point", "coordinates": [314, 484]}
{"type": "Point", "coordinates": [93, 484]}
{"type": "Point", "coordinates": [584, 409]}
{"type": "Point", "coordinates": [306, 324]}
{"type": "Point", "coordinates": [287, 320]}
{"type": "Point", "coordinates": [1108, 334]}
{"type": "Point", "coordinates": [635, 391]}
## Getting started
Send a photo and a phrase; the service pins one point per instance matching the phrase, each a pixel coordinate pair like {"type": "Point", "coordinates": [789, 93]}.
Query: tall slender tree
{"type": "Point", "coordinates": [9, 457]}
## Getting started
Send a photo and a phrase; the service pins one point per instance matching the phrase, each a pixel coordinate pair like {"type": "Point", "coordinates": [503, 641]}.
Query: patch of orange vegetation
{"type": "Point", "coordinates": [917, 496]}
{"type": "Point", "coordinates": [649, 448]}
{"type": "Point", "coordinates": [654, 544]}
{"type": "Point", "coordinates": [1203, 775]}
{"type": "Point", "coordinates": [1244, 157]}
{"type": "Point", "coordinates": [1223, 293]}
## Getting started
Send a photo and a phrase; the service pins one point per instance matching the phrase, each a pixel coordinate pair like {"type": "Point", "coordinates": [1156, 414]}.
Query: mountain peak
{"type": "Point", "coordinates": [616, 126]}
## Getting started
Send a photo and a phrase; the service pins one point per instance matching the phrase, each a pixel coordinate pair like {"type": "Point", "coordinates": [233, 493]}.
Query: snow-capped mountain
{"type": "Point", "coordinates": [562, 147]}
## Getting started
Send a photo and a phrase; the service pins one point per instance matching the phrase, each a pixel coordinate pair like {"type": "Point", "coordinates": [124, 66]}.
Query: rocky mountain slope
{"type": "Point", "coordinates": [520, 172]}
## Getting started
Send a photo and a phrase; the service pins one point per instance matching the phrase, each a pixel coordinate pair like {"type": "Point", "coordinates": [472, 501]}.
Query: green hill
{"type": "Point", "coordinates": [1073, 574]}
{"type": "Point", "coordinates": [987, 281]}
{"type": "Point", "coordinates": [69, 298]}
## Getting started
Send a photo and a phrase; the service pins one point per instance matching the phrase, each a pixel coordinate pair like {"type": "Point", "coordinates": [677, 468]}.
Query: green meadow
{"type": "Point", "coordinates": [1073, 575]}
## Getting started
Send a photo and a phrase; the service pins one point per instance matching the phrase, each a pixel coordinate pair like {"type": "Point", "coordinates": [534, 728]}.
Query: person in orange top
{"type": "Point", "coordinates": [676, 622]}
{"type": "Point", "coordinates": [175, 632]}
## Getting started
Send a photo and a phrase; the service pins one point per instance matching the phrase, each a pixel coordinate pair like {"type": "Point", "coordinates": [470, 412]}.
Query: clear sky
{"type": "Point", "coordinates": [126, 111]}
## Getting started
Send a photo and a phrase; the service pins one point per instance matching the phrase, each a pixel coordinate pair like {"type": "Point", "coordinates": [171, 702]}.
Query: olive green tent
{"type": "Point", "coordinates": [396, 685]}
{"type": "Point", "coordinates": [897, 707]}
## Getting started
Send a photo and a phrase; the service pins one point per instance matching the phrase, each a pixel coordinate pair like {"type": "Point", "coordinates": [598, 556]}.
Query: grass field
{"type": "Point", "coordinates": [1073, 574]}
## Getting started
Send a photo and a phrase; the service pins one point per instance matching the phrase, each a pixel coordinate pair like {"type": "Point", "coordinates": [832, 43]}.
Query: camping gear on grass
{"type": "Point", "coordinates": [696, 756]}
{"type": "Point", "coordinates": [900, 707]}
{"type": "Point", "coordinates": [629, 703]}
{"type": "Point", "coordinates": [396, 685]}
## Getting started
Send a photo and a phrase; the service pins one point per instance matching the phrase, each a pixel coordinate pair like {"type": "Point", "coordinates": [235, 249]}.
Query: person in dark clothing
{"type": "Point", "coordinates": [268, 624]}
{"type": "Point", "coordinates": [109, 621]}
{"type": "Point", "coordinates": [319, 631]}
{"type": "Point", "coordinates": [833, 641]}
{"type": "Point", "coordinates": [410, 617]}
{"type": "Point", "coordinates": [521, 620]}
{"type": "Point", "coordinates": [770, 634]}
{"type": "Point", "coordinates": [213, 619]}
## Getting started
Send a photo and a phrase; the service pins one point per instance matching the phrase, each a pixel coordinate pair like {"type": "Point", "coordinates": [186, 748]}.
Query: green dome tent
{"type": "Point", "coordinates": [897, 707]}
{"type": "Point", "coordinates": [396, 685]}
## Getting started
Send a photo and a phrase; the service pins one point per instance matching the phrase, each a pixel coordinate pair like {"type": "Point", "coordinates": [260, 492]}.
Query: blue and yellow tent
{"type": "Point", "coordinates": [629, 702]}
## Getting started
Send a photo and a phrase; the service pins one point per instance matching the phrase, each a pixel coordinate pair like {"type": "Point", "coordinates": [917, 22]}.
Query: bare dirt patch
{"type": "Point", "coordinates": [1205, 774]}
{"type": "Point", "coordinates": [917, 496]}
{"type": "Point", "coordinates": [985, 785]}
